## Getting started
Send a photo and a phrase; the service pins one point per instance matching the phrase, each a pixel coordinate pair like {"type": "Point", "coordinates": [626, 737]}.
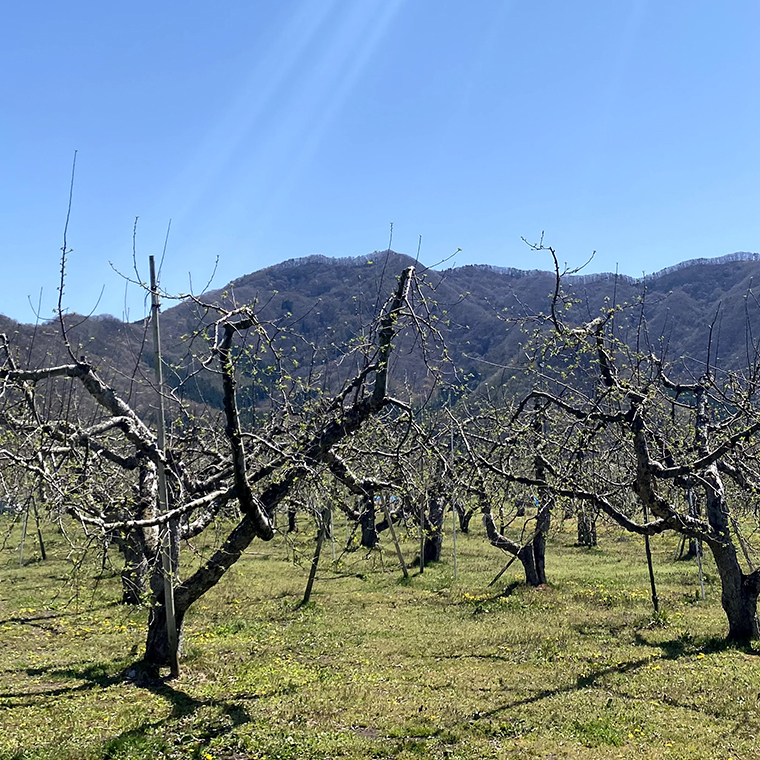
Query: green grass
{"type": "Point", "coordinates": [375, 667]}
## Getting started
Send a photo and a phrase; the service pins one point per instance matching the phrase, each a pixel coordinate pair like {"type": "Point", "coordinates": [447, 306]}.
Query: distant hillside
{"type": "Point", "coordinates": [329, 302]}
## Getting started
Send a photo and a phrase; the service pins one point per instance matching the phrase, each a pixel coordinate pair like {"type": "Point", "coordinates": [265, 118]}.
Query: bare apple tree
{"type": "Point", "coordinates": [652, 444]}
{"type": "Point", "coordinates": [98, 455]}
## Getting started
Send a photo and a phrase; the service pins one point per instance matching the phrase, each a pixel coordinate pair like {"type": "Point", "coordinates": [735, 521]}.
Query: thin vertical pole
{"type": "Point", "coordinates": [163, 494]}
{"type": "Point", "coordinates": [332, 531]}
{"type": "Point", "coordinates": [655, 600]}
{"type": "Point", "coordinates": [453, 499]}
{"type": "Point", "coordinates": [423, 507]}
{"type": "Point", "coordinates": [43, 553]}
{"type": "Point", "coordinates": [690, 497]}
{"type": "Point", "coordinates": [347, 537]}
{"type": "Point", "coordinates": [23, 536]}
{"type": "Point", "coordinates": [322, 519]}
{"type": "Point", "coordinates": [394, 536]}
{"type": "Point", "coordinates": [699, 565]}
{"type": "Point", "coordinates": [454, 535]}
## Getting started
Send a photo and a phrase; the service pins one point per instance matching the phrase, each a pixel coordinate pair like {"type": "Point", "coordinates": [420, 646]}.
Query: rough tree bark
{"type": "Point", "coordinates": [433, 518]}
{"type": "Point", "coordinates": [627, 433]}
{"type": "Point", "coordinates": [586, 525]}
{"type": "Point", "coordinates": [617, 433]}
{"type": "Point", "coordinates": [368, 521]}
{"type": "Point", "coordinates": [464, 516]}
{"type": "Point", "coordinates": [342, 423]}
{"type": "Point", "coordinates": [202, 487]}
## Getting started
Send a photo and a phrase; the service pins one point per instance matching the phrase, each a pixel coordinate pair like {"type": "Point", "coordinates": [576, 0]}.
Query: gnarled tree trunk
{"type": "Point", "coordinates": [464, 516]}
{"type": "Point", "coordinates": [367, 520]}
{"type": "Point", "coordinates": [138, 545]}
{"type": "Point", "coordinates": [134, 574]}
{"type": "Point", "coordinates": [433, 522]}
{"type": "Point", "coordinates": [531, 554]}
{"type": "Point", "coordinates": [586, 527]}
{"type": "Point", "coordinates": [739, 593]}
{"type": "Point", "coordinates": [543, 523]}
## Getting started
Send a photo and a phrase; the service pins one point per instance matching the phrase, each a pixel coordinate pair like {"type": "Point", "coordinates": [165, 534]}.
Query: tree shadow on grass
{"type": "Point", "coordinates": [686, 645]}
{"type": "Point", "coordinates": [95, 675]}
{"type": "Point", "coordinates": [508, 590]}
{"type": "Point", "coordinates": [674, 649]}
{"type": "Point", "coordinates": [183, 706]}
{"type": "Point", "coordinates": [39, 618]}
{"type": "Point", "coordinates": [100, 676]}
{"type": "Point", "coordinates": [582, 682]}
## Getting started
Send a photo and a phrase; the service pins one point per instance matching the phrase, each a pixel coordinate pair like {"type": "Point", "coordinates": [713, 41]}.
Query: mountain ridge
{"type": "Point", "coordinates": [477, 308]}
{"type": "Point", "coordinates": [516, 271]}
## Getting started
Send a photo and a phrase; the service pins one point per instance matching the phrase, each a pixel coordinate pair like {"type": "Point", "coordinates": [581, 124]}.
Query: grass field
{"type": "Point", "coordinates": [375, 667]}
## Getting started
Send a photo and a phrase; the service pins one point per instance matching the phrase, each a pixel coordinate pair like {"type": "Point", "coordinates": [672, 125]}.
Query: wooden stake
{"type": "Point", "coordinates": [502, 571]}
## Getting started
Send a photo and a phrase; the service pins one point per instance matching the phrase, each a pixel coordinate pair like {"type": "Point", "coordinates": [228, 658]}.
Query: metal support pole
{"type": "Point", "coordinates": [423, 508]}
{"type": "Point", "coordinates": [332, 531]}
{"type": "Point", "coordinates": [23, 536]}
{"type": "Point", "coordinates": [655, 599]}
{"type": "Point", "coordinates": [453, 500]}
{"type": "Point", "coordinates": [163, 493]}
{"type": "Point", "coordinates": [690, 497]}
{"type": "Point", "coordinates": [322, 519]}
{"type": "Point", "coordinates": [454, 534]}
{"type": "Point", "coordinates": [400, 556]}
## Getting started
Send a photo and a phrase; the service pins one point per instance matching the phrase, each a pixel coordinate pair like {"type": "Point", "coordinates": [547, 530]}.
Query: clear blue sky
{"type": "Point", "coordinates": [274, 129]}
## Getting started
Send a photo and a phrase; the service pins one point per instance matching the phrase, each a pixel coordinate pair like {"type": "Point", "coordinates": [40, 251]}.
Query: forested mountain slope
{"type": "Point", "coordinates": [317, 306]}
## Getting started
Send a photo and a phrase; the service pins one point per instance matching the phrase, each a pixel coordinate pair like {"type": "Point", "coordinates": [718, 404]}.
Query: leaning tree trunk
{"type": "Point", "coordinates": [739, 591]}
{"type": "Point", "coordinates": [255, 509]}
{"type": "Point", "coordinates": [526, 554]}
